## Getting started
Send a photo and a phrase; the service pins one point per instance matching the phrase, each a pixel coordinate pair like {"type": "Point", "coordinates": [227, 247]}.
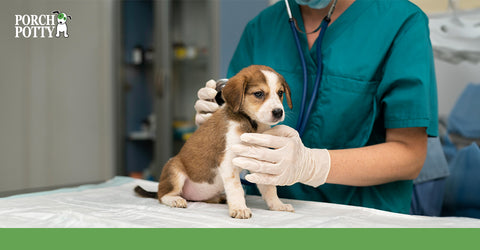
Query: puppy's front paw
{"type": "Point", "coordinates": [282, 207]}
{"type": "Point", "coordinates": [240, 213]}
{"type": "Point", "coordinates": [174, 201]}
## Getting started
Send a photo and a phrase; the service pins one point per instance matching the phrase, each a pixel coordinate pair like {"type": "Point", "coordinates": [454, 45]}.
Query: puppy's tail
{"type": "Point", "coordinates": [144, 193]}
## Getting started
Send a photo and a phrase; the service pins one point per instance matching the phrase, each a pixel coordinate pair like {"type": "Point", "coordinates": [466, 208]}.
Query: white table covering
{"type": "Point", "coordinates": [114, 204]}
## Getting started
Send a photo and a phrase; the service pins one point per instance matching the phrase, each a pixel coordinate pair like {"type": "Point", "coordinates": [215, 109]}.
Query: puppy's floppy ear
{"type": "Point", "coordinates": [287, 91]}
{"type": "Point", "coordinates": [234, 91]}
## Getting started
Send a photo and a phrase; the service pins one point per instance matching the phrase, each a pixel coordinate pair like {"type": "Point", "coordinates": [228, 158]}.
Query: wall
{"type": "Point", "coordinates": [452, 79]}
{"type": "Point", "coordinates": [234, 15]}
{"type": "Point", "coordinates": [436, 6]}
{"type": "Point", "coordinates": [56, 98]}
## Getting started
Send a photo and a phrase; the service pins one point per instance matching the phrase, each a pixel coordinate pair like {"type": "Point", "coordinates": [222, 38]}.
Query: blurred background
{"type": "Point", "coordinates": [116, 97]}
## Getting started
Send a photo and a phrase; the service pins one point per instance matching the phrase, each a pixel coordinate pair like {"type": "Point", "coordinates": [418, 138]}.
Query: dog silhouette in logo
{"type": "Point", "coordinates": [61, 23]}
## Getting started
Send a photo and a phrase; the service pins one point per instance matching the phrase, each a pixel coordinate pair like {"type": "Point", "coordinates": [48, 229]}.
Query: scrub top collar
{"type": "Point", "coordinates": [335, 29]}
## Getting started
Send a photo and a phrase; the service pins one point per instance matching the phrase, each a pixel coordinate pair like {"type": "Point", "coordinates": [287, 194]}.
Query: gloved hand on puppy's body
{"type": "Point", "coordinates": [278, 157]}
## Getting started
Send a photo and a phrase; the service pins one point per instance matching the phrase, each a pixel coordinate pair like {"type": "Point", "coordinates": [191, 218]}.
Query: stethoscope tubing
{"type": "Point", "coordinates": [318, 78]}
{"type": "Point", "coordinates": [304, 67]}
{"type": "Point", "coordinates": [304, 115]}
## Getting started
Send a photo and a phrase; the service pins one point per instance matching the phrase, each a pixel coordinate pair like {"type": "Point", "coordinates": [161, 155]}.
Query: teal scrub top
{"type": "Point", "coordinates": [378, 73]}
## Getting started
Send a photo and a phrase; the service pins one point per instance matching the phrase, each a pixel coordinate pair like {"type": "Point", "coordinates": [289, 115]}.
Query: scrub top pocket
{"type": "Point", "coordinates": [344, 114]}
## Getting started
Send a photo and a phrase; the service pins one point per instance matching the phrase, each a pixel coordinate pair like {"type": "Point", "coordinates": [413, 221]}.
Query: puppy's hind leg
{"type": "Point", "coordinates": [171, 184]}
{"type": "Point", "coordinates": [269, 194]}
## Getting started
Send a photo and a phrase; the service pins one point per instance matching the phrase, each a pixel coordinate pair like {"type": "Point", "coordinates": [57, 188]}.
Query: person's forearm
{"type": "Point", "coordinates": [378, 164]}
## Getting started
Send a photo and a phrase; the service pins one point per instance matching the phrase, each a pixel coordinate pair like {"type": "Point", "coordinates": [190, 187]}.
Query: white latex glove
{"type": "Point", "coordinates": [278, 157]}
{"type": "Point", "coordinates": [206, 105]}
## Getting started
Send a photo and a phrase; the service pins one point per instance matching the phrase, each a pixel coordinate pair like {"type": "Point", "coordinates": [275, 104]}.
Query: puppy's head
{"type": "Point", "coordinates": [257, 91]}
{"type": "Point", "coordinates": [61, 17]}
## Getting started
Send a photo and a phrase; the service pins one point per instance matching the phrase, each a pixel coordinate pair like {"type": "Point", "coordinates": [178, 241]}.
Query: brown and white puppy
{"type": "Point", "coordinates": [203, 169]}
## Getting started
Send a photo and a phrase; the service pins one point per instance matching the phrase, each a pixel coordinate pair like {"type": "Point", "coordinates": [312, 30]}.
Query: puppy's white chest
{"type": "Point", "coordinates": [61, 27]}
{"type": "Point", "coordinates": [232, 138]}
{"type": "Point", "coordinates": [233, 135]}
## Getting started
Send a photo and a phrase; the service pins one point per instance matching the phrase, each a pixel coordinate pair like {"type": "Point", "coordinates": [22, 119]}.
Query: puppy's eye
{"type": "Point", "coordinates": [280, 93]}
{"type": "Point", "coordinates": [259, 94]}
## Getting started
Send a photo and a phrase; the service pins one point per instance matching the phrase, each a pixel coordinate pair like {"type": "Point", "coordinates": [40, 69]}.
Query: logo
{"type": "Point", "coordinates": [41, 26]}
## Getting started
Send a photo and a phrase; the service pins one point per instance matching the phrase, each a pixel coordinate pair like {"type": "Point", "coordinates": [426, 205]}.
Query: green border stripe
{"type": "Point", "coordinates": [239, 238]}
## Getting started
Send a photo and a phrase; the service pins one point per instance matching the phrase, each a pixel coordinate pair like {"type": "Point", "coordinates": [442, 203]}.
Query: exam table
{"type": "Point", "coordinates": [113, 204]}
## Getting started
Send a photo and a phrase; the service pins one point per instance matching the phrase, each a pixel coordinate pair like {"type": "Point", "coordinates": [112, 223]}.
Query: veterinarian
{"type": "Point", "coordinates": [366, 136]}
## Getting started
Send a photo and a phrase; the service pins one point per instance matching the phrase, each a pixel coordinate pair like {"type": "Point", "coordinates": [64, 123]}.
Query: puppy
{"type": "Point", "coordinates": [203, 170]}
{"type": "Point", "coordinates": [61, 23]}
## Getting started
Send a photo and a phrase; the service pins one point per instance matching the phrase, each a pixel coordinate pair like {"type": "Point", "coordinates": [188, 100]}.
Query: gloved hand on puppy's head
{"type": "Point", "coordinates": [206, 105]}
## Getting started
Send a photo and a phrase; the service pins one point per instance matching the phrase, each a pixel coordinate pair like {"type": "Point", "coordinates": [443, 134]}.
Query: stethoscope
{"type": "Point", "coordinates": [304, 115]}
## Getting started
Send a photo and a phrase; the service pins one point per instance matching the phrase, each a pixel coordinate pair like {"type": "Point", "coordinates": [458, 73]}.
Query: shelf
{"type": "Point", "coordinates": [141, 136]}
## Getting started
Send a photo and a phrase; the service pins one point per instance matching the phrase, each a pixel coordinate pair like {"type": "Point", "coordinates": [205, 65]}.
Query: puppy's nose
{"type": "Point", "coordinates": [277, 113]}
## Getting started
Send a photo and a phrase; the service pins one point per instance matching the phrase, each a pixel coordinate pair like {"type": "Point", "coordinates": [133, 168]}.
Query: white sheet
{"type": "Point", "coordinates": [113, 204]}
